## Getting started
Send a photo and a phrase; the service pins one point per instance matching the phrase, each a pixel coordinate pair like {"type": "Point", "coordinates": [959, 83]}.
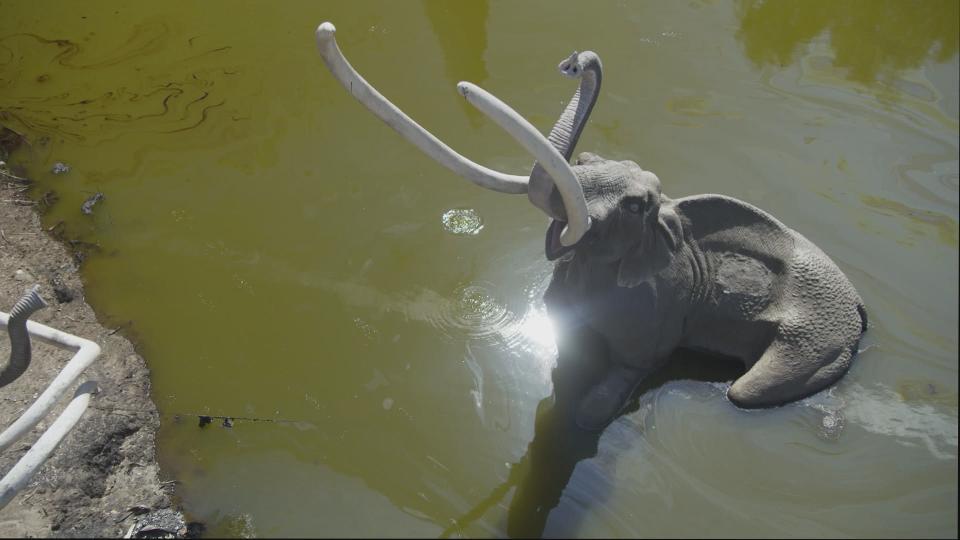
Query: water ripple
{"type": "Point", "coordinates": [472, 310]}
{"type": "Point", "coordinates": [462, 221]}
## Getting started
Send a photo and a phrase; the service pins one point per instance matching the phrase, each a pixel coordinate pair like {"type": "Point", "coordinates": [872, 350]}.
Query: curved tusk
{"type": "Point", "coordinates": [404, 125]}
{"type": "Point", "coordinates": [578, 221]}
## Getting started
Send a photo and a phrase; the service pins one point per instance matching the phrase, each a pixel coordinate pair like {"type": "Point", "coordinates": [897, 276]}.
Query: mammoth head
{"type": "Point", "coordinates": [631, 221]}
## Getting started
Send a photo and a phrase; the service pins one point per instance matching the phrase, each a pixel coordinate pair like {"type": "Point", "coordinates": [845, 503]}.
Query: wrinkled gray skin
{"type": "Point", "coordinates": [707, 272]}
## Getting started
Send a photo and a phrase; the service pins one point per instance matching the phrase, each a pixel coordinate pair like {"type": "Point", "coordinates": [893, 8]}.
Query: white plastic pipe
{"type": "Point", "coordinates": [404, 125]}
{"type": "Point", "coordinates": [544, 152]}
{"type": "Point", "coordinates": [86, 352]}
{"type": "Point", "coordinates": [23, 471]}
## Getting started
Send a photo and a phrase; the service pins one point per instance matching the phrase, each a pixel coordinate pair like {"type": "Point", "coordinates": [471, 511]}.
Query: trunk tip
{"type": "Point", "coordinates": [570, 237]}
{"type": "Point", "coordinates": [326, 31]}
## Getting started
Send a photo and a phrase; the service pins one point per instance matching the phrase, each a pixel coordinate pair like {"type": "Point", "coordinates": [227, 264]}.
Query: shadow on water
{"type": "Point", "coordinates": [543, 473]}
{"type": "Point", "coordinates": [461, 29]}
{"type": "Point", "coordinates": [871, 39]}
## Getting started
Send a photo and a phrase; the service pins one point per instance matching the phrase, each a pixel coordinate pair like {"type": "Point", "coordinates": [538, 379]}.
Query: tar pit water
{"type": "Point", "coordinates": [282, 255]}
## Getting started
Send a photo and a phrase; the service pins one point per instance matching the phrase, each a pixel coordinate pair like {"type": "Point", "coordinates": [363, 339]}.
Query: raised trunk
{"type": "Point", "coordinates": [541, 149]}
{"type": "Point", "coordinates": [566, 132]}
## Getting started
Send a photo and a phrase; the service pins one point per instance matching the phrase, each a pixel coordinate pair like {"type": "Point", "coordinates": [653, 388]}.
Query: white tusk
{"type": "Point", "coordinates": [578, 221]}
{"type": "Point", "coordinates": [404, 125]}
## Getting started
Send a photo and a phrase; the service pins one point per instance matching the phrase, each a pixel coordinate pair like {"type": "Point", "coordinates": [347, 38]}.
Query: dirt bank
{"type": "Point", "coordinates": [105, 473]}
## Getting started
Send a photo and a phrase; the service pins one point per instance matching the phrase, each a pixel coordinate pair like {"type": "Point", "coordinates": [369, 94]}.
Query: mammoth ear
{"type": "Point", "coordinates": [653, 253]}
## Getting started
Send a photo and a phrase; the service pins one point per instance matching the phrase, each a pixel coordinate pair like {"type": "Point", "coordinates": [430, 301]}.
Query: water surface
{"type": "Point", "coordinates": [280, 254]}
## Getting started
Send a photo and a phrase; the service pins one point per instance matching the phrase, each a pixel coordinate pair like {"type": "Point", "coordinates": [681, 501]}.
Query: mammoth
{"type": "Point", "coordinates": [646, 274]}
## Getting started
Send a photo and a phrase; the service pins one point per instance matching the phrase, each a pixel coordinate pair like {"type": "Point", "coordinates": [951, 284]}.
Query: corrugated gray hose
{"type": "Point", "coordinates": [19, 337]}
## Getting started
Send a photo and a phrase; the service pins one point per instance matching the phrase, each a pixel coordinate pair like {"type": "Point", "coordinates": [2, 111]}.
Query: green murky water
{"type": "Point", "coordinates": [279, 253]}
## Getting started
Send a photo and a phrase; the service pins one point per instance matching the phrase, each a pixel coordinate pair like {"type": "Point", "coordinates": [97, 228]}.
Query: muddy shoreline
{"type": "Point", "coordinates": [104, 478]}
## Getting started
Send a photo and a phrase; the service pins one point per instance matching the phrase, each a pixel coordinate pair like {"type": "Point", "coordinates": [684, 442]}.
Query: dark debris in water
{"type": "Point", "coordinates": [60, 168]}
{"type": "Point", "coordinates": [82, 250]}
{"type": "Point", "coordinates": [10, 140]}
{"type": "Point", "coordinates": [87, 207]}
{"type": "Point", "coordinates": [205, 420]}
{"type": "Point", "coordinates": [47, 201]}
